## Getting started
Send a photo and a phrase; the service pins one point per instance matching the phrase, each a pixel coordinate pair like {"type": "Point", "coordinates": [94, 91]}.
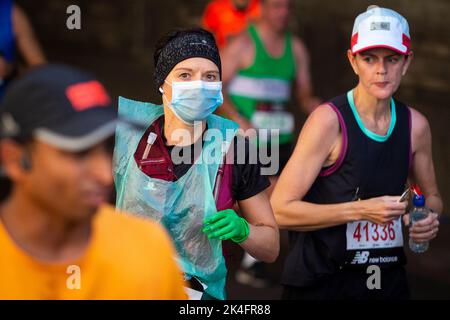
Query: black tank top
{"type": "Point", "coordinates": [366, 168]}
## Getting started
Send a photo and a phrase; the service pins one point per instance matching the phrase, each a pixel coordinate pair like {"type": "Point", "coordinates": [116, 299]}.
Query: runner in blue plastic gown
{"type": "Point", "coordinates": [189, 199]}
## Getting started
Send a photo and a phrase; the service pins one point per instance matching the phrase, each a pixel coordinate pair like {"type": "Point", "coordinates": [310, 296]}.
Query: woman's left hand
{"type": "Point", "coordinates": [226, 225]}
{"type": "Point", "coordinates": [424, 230]}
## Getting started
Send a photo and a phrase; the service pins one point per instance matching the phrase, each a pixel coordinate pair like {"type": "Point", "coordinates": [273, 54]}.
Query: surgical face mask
{"type": "Point", "coordinates": [194, 100]}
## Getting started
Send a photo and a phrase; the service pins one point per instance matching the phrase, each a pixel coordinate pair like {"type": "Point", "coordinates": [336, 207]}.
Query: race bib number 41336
{"type": "Point", "coordinates": [368, 235]}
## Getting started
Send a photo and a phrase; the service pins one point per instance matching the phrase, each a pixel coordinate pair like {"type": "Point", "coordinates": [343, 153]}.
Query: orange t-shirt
{"type": "Point", "coordinates": [127, 258]}
{"type": "Point", "coordinates": [225, 21]}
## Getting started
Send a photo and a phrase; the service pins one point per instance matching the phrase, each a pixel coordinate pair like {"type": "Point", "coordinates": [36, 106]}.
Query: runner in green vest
{"type": "Point", "coordinates": [261, 91]}
{"type": "Point", "coordinates": [261, 66]}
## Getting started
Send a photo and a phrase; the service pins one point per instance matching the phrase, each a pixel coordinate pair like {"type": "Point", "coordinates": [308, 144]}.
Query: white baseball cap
{"type": "Point", "coordinates": [380, 28]}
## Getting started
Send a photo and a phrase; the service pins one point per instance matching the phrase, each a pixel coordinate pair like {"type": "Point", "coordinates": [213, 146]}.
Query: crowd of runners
{"type": "Point", "coordinates": [215, 166]}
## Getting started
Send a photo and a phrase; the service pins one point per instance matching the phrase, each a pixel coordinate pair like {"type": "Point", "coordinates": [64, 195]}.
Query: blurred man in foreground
{"type": "Point", "coordinates": [57, 239]}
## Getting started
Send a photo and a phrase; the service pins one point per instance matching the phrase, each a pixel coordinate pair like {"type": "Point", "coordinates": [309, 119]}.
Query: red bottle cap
{"type": "Point", "coordinates": [415, 188]}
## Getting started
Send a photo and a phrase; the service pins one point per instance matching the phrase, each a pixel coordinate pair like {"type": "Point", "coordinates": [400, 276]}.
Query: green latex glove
{"type": "Point", "coordinates": [226, 225]}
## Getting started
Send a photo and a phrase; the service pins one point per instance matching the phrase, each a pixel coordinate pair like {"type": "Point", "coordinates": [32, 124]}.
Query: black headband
{"type": "Point", "coordinates": [184, 47]}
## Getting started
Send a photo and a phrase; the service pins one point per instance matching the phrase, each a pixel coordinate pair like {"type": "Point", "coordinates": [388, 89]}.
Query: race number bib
{"type": "Point", "coordinates": [368, 235]}
{"type": "Point", "coordinates": [282, 120]}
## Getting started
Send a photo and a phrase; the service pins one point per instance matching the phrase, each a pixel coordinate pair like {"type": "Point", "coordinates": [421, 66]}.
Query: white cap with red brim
{"type": "Point", "coordinates": [380, 28]}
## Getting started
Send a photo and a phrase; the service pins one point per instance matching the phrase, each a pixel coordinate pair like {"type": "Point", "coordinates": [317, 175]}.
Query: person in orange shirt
{"type": "Point", "coordinates": [227, 18]}
{"type": "Point", "coordinates": [58, 240]}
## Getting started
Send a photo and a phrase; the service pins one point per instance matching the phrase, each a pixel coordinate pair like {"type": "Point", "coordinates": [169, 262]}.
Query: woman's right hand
{"type": "Point", "coordinates": [382, 210]}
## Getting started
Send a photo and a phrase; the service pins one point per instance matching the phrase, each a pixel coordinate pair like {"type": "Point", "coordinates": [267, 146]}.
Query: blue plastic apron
{"type": "Point", "coordinates": [182, 205]}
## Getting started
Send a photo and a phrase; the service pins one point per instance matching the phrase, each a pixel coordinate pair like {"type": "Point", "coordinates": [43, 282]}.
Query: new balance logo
{"type": "Point", "coordinates": [361, 257]}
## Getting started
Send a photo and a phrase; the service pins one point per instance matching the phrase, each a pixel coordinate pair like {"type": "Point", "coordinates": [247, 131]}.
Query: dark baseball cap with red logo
{"type": "Point", "coordinates": [59, 105]}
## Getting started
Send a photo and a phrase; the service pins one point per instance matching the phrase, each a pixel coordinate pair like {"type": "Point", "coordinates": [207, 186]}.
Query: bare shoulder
{"type": "Point", "coordinates": [325, 118]}
{"type": "Point", "coordinates": [420, 130]}
{"type": "Point", "coordinates": [299, 47]}
{"type": "Point", "coordinates": [239, 52]}
{"type": "Point", "coordinates": [241, 41]}
{"type": "Point", "coordinates": [419, 123]}
{"type": "Point", "coordinates": [319, 137]}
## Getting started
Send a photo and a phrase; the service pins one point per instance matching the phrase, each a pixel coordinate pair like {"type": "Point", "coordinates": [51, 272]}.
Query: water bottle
{"type": "Point", "coordinates": [419, 212]}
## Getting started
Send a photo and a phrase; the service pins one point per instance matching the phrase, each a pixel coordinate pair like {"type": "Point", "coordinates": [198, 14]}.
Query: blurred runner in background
{"type": "Point", "coordinates": [227, 18]}
{"type": "Point", "coordinates": [260, 68]}
{"type": "Point", "coordinates": [58, 240]}
{"type": "Point", "coordinates": [16, 40]}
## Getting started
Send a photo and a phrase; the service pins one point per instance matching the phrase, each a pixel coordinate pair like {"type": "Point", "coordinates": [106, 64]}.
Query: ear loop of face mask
{"type": "Point", "coordinates": [161, 89]}
{"type": "Point", "coordinates": [168, 102]}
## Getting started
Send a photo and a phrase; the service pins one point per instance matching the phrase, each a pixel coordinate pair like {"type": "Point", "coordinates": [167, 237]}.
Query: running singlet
{"type": "Point", "coordinates": [369, 166]}
{"type": "Point", "coordinates": [261, 91]}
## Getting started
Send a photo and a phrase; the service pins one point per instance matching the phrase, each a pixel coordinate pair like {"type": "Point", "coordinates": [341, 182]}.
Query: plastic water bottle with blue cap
{"type": "Point", "coordinates": [419, 212]}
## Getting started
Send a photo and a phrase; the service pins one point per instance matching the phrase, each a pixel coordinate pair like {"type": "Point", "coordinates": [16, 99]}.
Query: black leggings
{"type": "Point", "coordinates": [352, 284]}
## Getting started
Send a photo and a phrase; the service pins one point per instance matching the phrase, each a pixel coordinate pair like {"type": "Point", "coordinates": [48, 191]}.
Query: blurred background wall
{"type": "Point", "coordinates": [116, 43]}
